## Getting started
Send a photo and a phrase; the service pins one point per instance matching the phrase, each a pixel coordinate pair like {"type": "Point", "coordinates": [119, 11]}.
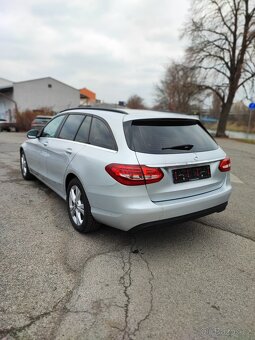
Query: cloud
{"type": "Point", "coordinates": [115, 48]}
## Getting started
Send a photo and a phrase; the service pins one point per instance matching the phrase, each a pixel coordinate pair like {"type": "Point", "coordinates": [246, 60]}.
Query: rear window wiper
{"type": "Point", "coordinates": [179, 147]}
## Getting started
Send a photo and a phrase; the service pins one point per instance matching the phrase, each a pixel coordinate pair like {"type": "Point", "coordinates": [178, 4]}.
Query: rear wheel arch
{"type": "Point", "coordinates": [69, 177]}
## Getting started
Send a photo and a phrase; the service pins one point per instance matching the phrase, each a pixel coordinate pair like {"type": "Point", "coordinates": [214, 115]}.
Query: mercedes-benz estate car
{"type": "Point", "coordinates": [128, 168]}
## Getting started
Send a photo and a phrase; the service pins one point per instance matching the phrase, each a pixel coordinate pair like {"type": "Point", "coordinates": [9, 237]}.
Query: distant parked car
{"type": "Point", "coordinates": [8, 126]}
{"type": "Point", "coordinates": [40, 121]}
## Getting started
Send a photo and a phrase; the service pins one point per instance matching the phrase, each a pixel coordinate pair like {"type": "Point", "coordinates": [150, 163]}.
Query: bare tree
{"type": "Point", "coordinates": [178, 90]}
{"type": "Point", "coordinates": [135, 102]}
{"type": "Point", "coordinates": [222, 48]}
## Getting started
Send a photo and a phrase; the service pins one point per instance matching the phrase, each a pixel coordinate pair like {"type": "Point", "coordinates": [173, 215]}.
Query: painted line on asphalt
{"type": "Point", "coordinates": [235, 179]}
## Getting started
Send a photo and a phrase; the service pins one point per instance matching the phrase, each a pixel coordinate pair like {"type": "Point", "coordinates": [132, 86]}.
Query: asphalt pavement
{"type": "Point", "coordinates": [194, 280]}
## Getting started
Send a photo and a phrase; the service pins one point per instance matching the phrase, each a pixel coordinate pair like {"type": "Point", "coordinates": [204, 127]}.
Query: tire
{"type": "Point", "coordinates": [26, 174]}
{"type": "Point", "coordinates": [79, 209]}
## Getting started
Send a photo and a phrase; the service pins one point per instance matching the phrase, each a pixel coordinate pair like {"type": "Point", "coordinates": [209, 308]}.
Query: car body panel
{"type": "Point", "coordinates": [130, 212]}
{"type": "Point", "coordinates": [100, 185]}
{"type": "Point", "coordinates": [59, 154]}
{"type": "Point", "coordinates": [36, 156]}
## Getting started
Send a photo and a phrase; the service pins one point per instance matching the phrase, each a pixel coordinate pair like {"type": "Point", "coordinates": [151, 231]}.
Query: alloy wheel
{"type": "Point", "coordinates": [23, 164]}
{"type": "Point", "coordinates": [76, 205]}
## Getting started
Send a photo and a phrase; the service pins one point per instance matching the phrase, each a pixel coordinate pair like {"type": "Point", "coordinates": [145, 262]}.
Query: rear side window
{"type": "Point", "coordinates": [71, 126]}
{"type": "Point", "coordinates": [101, 135]}
{"type": "Point", "coordinates": [83, 133]}
{"type": "Point", "coordinates": [168, 136]}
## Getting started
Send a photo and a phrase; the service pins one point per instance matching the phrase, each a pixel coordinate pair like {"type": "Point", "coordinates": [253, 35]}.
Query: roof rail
{"type": "Point", "coordinates": [87, 107]}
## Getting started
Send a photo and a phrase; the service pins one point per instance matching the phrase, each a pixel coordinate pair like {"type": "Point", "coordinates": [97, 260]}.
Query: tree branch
{"type": "Point", "coordinates": [246, 80]}
{"type": "Point", "coordinates": [208, 87]}
{"type": "Point", "coordinates": [219, 9]}
{"type": "Point", "coordinates": [215, 69]}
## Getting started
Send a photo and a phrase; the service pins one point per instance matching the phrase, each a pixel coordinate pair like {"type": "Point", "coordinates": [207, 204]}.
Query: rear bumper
{"type": "Point", "coordinates": [125, 213]}
{"type": "Point", "coordinates": [180, 219]}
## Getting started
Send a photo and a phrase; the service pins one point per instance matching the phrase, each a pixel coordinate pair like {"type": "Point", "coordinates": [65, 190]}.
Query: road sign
{"type": "Point", "coordinates": [252, 106]}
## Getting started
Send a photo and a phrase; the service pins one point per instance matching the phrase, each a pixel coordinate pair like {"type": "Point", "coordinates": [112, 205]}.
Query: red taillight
{"type": "Point", "coordinates": [225, 165]}
{"type": "Point", "coordinates": [134, 174]}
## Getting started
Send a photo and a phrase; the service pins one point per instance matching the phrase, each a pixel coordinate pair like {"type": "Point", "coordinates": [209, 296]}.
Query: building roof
{"type": "Point", "coordinates": [30, 80]}
{"type": "Point", "coordinates": [86, 93]}
{"type": "Point", "coordinates": [5, 84]}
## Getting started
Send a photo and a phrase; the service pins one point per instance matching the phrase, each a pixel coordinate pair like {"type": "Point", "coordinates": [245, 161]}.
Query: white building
{"type": "Point", "coordinates": [36, 94]}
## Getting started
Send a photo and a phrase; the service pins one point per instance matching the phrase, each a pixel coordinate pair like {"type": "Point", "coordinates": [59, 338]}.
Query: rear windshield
{"type": "Point", "coordinates": [168, 136]}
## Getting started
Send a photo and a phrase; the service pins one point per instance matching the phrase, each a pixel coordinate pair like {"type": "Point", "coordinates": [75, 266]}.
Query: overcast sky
{"type": "Point", "coordinates": [116, 48]}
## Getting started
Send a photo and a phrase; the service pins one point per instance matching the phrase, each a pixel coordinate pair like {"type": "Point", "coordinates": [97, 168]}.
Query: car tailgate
{"type": "Point", "coordinates": [166, 189]}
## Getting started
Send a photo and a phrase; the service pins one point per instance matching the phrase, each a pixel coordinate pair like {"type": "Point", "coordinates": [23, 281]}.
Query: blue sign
{"type": "Point", "coordinates": [252, 106]}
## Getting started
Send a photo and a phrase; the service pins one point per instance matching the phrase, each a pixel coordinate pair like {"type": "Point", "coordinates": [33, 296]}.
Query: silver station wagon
{"type": "Point", "coordinates": [128, 168]}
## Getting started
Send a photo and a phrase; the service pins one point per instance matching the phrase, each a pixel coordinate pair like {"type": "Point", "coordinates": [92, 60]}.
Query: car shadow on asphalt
{"type": "Point", "coordinates": [184, 235]}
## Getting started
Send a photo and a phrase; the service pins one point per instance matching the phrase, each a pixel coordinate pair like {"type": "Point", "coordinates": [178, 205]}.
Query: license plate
{"type": "Point", "coordinates": [191, 174]}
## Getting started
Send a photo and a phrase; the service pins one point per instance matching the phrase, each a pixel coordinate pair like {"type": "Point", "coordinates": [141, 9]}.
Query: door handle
{"type": "Point", "coordinates": [69, 151]}
{"type": "Point", "coordinates": [45, 143]}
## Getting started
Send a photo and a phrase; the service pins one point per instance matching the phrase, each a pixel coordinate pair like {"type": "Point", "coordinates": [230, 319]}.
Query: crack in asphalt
{"type": "Point", "coordinates": [63, 310]}
{"type": "Point", "coordinates": [61, 306]}
{"type": "Point", "coordinates": [13, 331]}
{"type": "Point", "coordinates": [137, 329]}
{"type": "Point", "coordinates": [76, 286]}
{"type": "Point", "coordinates": [127, 334]}
{"type": "Point", "coordinates": [247, 237]}
{"type": "Point", "coordinates": [125, 281]}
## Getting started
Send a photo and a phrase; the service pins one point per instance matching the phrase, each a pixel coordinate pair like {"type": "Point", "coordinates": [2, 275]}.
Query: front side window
{"type": "Point", "coordinates": [101, 135]}
{"type": "Point", "coordinates": [51, 128]}
{"type": "Point", "coordinates": [71, 126]}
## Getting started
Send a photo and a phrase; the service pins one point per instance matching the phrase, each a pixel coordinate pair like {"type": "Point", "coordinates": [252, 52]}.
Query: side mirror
{"type": "Point", "coordinates": [33, 134]}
